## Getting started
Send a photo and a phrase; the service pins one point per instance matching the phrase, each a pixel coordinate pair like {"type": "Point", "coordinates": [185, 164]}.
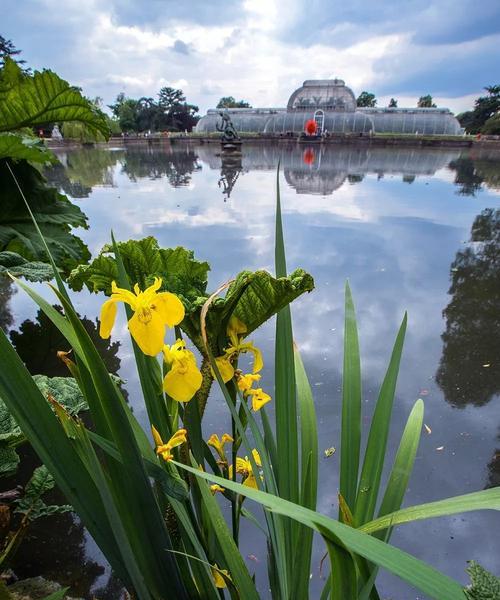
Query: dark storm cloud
{"type": "Point", "coordinates": [441, 22]}
{"type": "Point", "coordinates": [462, 69]}
{"type": "Point", "coordinates": [161, 13]}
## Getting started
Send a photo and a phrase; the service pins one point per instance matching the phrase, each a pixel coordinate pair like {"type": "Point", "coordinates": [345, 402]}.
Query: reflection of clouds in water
{"type": "Point", "coordinates": [395, 243]}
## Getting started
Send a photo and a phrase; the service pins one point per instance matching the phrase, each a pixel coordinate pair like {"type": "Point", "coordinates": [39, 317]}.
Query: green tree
{"type": "Point", "coordinates": [492, 125]}
{"type": "Point", "coordinates": [231, 102]}
{"type": "Point", "coordinates": [393, 103]}
{"type": "Point", "coordinates": [485, 107]}
{"type": "Point", "coordinates": [175, 113]}
{"type": "Point", "coordinates": [367, 100]}
{"type": "Point", "coordinates": [169, 97]}
{"type": "Point", "coordinates": [148, 114]}
{"type": "Point", "coordinates": [125, 111]}
{"type": "Point", "coordinates": [426, 102]}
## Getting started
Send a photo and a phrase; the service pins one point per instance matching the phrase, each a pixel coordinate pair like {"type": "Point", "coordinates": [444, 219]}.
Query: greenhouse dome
{"type": "Point", "coordinates": [332, 105]}
{"type": "Point", "coordinates": [325, 94]}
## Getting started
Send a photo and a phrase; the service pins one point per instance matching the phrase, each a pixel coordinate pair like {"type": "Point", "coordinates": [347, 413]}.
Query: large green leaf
{"type": "Point", "coordinates": [64, 389]}
{"type": "Point", "coordinates": [55, 214]}
{"type": "Point", "coordinates": [33, 100]}
{"type": "Point", "coordinates": [144, 260]}
{"type": "Point", "coordinates": [11, 262]}
{"type": "Point", "coordinates": [23, 147]}
{"type": "Point", "coordinates": [31, 504]}
{"type": "Point", "coordinates": [253, 296]}
{"type": "Point", "coordinates": [484, 585]}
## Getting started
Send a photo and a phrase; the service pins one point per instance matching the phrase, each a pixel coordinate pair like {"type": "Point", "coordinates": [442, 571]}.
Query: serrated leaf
{"type": "Point", "coordinates": [64, 389]}
{"type": "Point", "coordinates": [9, 461]}
{"type": "Point", "coordinates": [260, 295]}
{"type": "Point", "coordinates": [144, 260]}
{"type": "Point", "coordinates": [484, 585]}
{"type": "Point", "coordinates": [31, 504]}
{"type": "Point", "coordinates": [253, 298]}
{"type": "Point", "coordinates": [33, 100]}
{"type": "Point", "coordinates": [18, 266]}
{"type": "Point", "coordinates": [55, 214]}
{"type": "Point", "coordinates": [21, 147]}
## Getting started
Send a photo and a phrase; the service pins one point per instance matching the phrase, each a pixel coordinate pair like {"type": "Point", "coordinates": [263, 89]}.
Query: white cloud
{"type": "Point", "coordinates": [261, 52]}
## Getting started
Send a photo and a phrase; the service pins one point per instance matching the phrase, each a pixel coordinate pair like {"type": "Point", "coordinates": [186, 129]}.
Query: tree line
{"type": "Point", "coordinates": [369, 100]}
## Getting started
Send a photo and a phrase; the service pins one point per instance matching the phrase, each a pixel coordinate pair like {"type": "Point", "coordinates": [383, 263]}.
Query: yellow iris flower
{"type": "Point", "coordinates": [243, 347]}
{"type": "Point", "coordinates": [184, 378]}
{"type": "Point", "coordinates": [245, 382]}
{"type": "Point", "coordinates": [219, 580]}
{"type": "Point", "coordinates": [219, 444]}
{"type": "Point", "coordinates": [165, 450]}
{"type": "Point", "coordinates": [259, 398]}
{"type": "Point", "coordinates": [244, 467]}
{"type": "Point", "coordinates": [235, 329]}
{"type": "Point", "coordinates": [153, 312]}
{"type": "Point", "coordinates": [216, 488]}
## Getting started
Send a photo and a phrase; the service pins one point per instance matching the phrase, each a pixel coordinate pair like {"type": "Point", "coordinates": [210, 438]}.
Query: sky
{"type": "Point", "coordinates": [262, 50]}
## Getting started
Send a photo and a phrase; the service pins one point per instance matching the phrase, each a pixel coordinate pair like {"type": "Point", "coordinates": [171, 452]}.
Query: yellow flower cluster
{"type": "Point", "coordinates": [225, 364]}
{"type": "Point", "coordinates": [243, 465]}
{"type": "Point", "coordinates": [165, 450]}
{"type": "Point", "coordinates": [154, 312]}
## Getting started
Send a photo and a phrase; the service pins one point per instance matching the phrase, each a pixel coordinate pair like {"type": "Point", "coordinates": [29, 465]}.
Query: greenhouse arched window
{"type": "Point", "coordinates": [319, 117]}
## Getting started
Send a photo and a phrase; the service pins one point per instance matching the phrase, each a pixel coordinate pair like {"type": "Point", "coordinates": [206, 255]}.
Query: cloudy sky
{"type": "Point", "coordinates": [261, 50]}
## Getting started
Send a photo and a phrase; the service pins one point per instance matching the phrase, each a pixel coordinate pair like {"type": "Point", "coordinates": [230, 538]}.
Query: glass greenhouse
{"type": "Point", "coordinates": [333, 106]}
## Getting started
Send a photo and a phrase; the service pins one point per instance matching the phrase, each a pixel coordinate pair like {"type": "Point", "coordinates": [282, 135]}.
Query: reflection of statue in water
{"type": "Point", "coordinates": [229, 173]}
{"type": "Point", "coordinates": [229, 133]}
{"type": "Point", "coordinates": [469, 371]}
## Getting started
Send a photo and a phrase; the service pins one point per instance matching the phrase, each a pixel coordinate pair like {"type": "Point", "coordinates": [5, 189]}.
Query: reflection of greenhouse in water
{"type": "Point", "coordinates": [332, 105]}
{"type": "Point", "coordinates": [322, 169]}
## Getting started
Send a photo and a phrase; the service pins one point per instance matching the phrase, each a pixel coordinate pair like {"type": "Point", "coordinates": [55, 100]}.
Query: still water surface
{"type": "Point", "coordinates": [412, 229]}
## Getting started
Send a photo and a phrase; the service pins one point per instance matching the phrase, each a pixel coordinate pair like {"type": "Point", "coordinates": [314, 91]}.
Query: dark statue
{"type": "Point", "coordinates": [229, 133]}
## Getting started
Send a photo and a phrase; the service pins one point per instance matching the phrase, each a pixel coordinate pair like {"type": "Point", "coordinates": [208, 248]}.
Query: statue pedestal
{"type": "Point", "coordinates": [233, 147]}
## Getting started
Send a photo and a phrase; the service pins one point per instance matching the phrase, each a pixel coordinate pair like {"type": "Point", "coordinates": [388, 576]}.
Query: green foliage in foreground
{"type": "Point", "coordinates": [34, 100]}
{"type": "Point", "coordinates": [31, 505]}
{"type": "Point", "coordinates": [253, 297]}
{"type": "Point", "coordinates": [11, 262]}
{"type": "Point", "coordinates": [64, 389]}
{"type": "Point", "coordinates": [29, 101]}
{"type": "Point", "coordinates": [55, 214]}
{"type": "Point", "coordinates": [167, 538]}
{"type": "Point", "coordinates": [484, 585]}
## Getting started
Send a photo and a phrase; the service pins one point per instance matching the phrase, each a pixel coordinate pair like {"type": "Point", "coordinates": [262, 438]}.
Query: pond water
{"type": "Point", "coordinates": [412, 229]}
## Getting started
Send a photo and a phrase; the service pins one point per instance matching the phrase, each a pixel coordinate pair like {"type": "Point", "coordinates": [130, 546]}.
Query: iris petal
{"type": "Point", "coordinates": [108, 316]}
{"type": "Point", "coordinates": [169, 307]}
{"type": "Point", "coordinates": [226, 369]}
{"type": "Point", "coordinates": [182, 381]}
{"type": "Point", "coordinates": [149, 334]}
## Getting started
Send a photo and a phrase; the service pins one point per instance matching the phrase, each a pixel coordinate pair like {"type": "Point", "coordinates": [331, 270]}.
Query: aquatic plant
{"type": "Point", "coordinates": [28, 101]}
{"type": "Point", "coordinates": [155, 508]}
